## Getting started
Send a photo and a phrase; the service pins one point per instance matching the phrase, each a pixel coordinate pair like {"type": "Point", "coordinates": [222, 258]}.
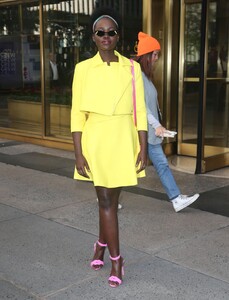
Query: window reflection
{"type": "Point", "coordinates": [67, 40]}
{"type": "Point", "coordinates": [20, 68]}
{"type": "Point", "coordinates": [64, 40]}
{"type": "Point", "coordinates": [192, 40]}
{"type": "Point", "coordinates": [216, 101]}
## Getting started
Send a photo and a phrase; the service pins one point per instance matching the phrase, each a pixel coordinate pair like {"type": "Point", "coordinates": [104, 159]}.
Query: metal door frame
{"type": "Point", "coordinates": [204, 162]}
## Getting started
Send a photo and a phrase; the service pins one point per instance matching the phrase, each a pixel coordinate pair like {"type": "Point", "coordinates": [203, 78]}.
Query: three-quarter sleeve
{"type": "Point", "coordinates": [140, 99]}
{"type": "Point", "coordinates": [78, 118]}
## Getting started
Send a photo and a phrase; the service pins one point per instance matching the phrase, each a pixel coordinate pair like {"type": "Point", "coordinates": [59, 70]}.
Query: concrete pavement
{"type": "Point", "coordinates": [49, 222]}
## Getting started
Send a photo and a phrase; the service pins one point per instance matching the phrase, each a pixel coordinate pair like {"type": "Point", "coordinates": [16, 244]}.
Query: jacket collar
{"type": "Point", "coordinates": [124, 61]}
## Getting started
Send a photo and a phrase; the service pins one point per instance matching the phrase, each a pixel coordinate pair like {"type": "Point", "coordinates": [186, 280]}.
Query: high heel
{"type": "Point", "coordinates": [97, 264]}
{"type": "Point", "coordinates": [115, 281]}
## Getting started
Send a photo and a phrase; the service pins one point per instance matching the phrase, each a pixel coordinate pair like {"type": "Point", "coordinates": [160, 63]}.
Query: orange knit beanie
{"type": "Point", "coordinates": [147, 44]}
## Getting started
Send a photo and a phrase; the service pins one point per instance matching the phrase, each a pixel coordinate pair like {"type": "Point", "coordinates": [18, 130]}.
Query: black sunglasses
{"type": "Point", "coordinates": [101, 33]}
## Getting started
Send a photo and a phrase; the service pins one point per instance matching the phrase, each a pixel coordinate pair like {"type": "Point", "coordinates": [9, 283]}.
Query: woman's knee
{"type": "Point", "coordinates": [105, 202]}
{"type": "Point", "coordinates": [108, 198]}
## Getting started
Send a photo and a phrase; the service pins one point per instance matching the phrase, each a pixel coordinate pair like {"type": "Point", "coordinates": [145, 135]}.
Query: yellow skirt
{"type": "Point", "coordinates": [111, 145]}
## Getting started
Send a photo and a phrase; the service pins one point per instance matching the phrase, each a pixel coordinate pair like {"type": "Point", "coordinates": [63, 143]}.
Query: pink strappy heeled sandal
{"type": "Point", "coordinates": [97, 264]}
{"type": "Point", "coordinates": [114, 281]}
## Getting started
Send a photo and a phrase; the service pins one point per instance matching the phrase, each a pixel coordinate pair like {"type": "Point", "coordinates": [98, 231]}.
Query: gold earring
{"type": "Point", "coordinates": [136, 47]}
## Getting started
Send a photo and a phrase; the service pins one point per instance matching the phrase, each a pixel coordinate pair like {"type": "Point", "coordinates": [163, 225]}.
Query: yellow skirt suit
{"type": "Point", "coordinates": [102, 109]}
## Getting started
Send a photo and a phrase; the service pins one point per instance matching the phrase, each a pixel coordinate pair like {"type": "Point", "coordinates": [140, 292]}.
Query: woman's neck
{"type": "Point", "coordinates": [108, 56]}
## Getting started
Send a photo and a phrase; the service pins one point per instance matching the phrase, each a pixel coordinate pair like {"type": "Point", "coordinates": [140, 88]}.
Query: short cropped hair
{"type": "Point", "coordinates": [98, 12]}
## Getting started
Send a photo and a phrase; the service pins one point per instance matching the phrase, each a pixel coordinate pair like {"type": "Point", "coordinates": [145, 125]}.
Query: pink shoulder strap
{"type": "Point", "coordinates": [133, 91]}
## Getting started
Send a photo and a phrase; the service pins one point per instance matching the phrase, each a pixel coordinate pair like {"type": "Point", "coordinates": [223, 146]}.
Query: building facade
{"type": "Point", "coordinates": [41, 41]}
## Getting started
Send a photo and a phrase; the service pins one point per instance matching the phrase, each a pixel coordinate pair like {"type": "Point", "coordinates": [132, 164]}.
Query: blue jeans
{"type": "Point", "coordinates": [160, 162]}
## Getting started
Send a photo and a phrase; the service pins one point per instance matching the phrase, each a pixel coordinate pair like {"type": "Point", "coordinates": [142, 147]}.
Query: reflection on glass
{"type": "Point", "coordinates": [192, 40]}
{"type": "Point", "coordinates": [191, 70]}
{"type": "Point", "coordinates": [20, 96]}
{"type": "Point", "coordinates": [190, 112]}
{"type": "Point", "coordinates": [63, 34]}
{"type": "Point", "coordinates": [223, 55]}
{"type": "Point", "coordinates": [217, 100]}
{"type": "Point", "coordinates": [216, 114]}
{"type": "Point", "coordinates": [216, 103]}
{"type": "Point", "coordinates": [65, 40]}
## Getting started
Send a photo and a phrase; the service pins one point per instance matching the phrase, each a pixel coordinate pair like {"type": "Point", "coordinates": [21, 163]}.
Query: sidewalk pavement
{"type": "Point", "coordinates": [49, 222]}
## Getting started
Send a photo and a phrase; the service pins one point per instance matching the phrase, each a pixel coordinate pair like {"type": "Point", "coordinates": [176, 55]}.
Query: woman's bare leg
{"type": "Point", "coordinates": [108, 224]}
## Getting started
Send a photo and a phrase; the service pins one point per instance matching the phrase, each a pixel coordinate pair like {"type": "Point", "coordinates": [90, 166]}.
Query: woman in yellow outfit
{"type": "Point", "coordinates": [110, 151]}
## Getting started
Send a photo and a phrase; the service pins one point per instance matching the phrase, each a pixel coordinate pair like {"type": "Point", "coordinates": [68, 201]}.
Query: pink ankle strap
{"type": "Point", "coordinates": [115, 258]}
{"type": "Point", "coordinates": [101, 244]}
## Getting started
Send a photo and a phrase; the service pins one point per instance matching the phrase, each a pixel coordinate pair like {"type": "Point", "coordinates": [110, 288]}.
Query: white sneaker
{"type": "Point", "coordinates": [119, 205]}
{"type": "Point", "coordinates": [183, 201]}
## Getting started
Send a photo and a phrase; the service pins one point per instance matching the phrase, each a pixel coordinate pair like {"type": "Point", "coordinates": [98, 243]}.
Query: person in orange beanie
{"type": "Point", "coordinates": [147, 44]}
{"type": "Point", "coordinates": [147, 55]}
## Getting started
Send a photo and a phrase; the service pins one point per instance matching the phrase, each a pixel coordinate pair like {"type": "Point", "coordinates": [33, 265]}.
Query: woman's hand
{"type": "Point", "coordinates": [141, 162]}
{"type": "Point", "coordinates": [159, 131]}
{"type": "Point", "coordinates": [82, 166]}
{"type": "Point", "coordinates": [81, 163]}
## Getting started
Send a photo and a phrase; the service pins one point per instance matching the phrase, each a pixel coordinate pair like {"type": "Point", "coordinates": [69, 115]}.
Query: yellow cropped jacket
{"type": "Point", "coordinates": [106, 90]}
